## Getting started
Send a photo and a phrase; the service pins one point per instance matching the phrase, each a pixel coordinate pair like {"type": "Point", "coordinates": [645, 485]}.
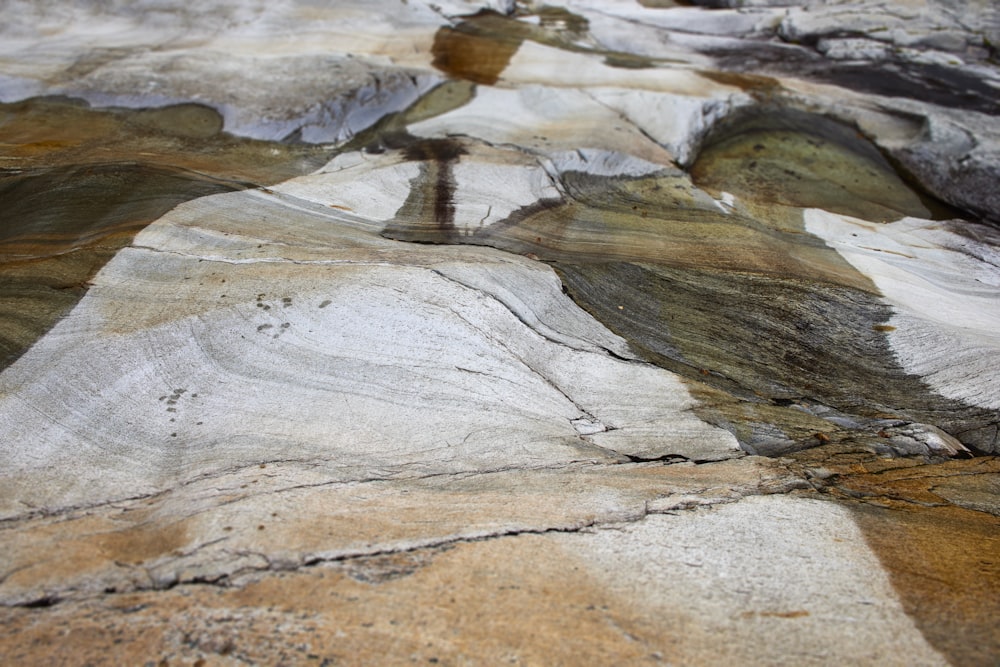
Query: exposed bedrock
{"type": "Point", "coordinates": [725, 283]}
{"type": "Point", "coordinates": [580, 332]}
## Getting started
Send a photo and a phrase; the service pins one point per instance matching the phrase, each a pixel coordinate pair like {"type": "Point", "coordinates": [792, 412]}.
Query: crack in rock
{"type": "Point", "coordinates": [184, 568]}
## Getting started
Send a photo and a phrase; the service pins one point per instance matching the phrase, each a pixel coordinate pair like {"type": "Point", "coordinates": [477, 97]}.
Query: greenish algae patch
{"type": "Point", "coordinates": [391, 132]}
{"type": "Point", "coordinates": [793, 158]}
{"type": "Point", "coordinates": [77, 184]}
{"type": "Point", "coordinates": [734, 296]}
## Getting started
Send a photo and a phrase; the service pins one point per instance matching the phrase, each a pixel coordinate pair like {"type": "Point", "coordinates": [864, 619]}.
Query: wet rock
{"type": "Point", "coordinates": [75, 193]}
{"type": "Point", "coordinates": [946, 343]}
{"type": "Point", "coordinates": [506, 332]}
{"type": "Point", "coordinates": [788, 157]}
{"type": "Point", "coordinates": [927, 523]}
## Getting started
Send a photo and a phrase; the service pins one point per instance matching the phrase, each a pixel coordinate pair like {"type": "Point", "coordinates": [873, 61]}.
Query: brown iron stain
{"type": "Point", "coordinates": [750, 83]}
{"type": "Point", "coordinates": [428, 214]}
{"type": "Point", "coordinates": [944, 562]}
{"type": "Point", "coordinates": [936, 530]}
{"type": "Point", "coordinates": [472, 52]}
{"type": "Point", "coordinates": [73, 193]}
{"type": "Point", "coordinates": [473, 604]}
{"type": "Point", "coordinates": [480, 47]}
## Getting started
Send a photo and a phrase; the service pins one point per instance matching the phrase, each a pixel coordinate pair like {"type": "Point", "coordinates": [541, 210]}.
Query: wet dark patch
{"type": "Point", "coordinates": [390, 132]}
{"type": "Point", "coordinates": [937, 84]}
{"type": "Point", "coordinates": [776, 155]}
{"type": "Point", "coordinates": [763, 119]}
{"type": "Point", "coordinates": [936, 530]}
{"type": "Point", "coordinates": [628, 61]}
{"type": "Point", "coordinates": [479, 48]}
{"type": "Point", "coordinates": [194, 121]}
{"type": "Point", "coordinates": [62, 224]}
{"type": "Point", "coordinates": [428, 214]}
{"type": "Point", "coordinates": [436, 150]}
{"type": "Point", "coordinates": [52, 210]}
{"type": "Point", "coordinates": [763, 337]}
{"type": "Point", "coordinates": [948, 86]}
{"type": "Point", "coordinates": [957, 199]}
{"type": "Point", "coordinates": [559, 21]}
{"type": "Point", "coordinates": [750, 83]}
{"type": "Point", "coordinates": [755, 313]}
{"type": "Point", "coordinates": [441, 99]}
{"type": "Point", "coordinates": [73, 194]}
{"type": "Point", "coordinates": [41, 603]}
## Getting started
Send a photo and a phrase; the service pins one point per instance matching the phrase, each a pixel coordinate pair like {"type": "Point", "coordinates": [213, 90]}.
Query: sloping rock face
{"type": "Point", "coordinates": [476, 332]}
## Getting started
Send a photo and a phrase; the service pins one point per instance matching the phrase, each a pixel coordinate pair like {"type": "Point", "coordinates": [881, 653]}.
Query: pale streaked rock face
{"type": "Point", "coordinates": [592, 332]}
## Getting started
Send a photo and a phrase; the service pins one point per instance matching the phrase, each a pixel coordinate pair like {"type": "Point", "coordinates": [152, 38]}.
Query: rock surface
{"type": "Point", "coordinates": [477, 332]}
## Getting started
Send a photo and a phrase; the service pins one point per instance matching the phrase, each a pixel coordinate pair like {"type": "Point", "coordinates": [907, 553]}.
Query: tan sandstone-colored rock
{"type": "Point", "coordinates": [456, 333]}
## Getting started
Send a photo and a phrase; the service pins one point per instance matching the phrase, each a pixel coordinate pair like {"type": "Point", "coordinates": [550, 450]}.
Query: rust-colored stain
{"type": "Point", "coordinates": [945, 564]}
{"type": "Point", "coordinates": [474, 604]}
{"type": "Point", "coordinates": [476, 58]}
{"type": "Point", "coordinates": [73, 193]}
{"type": "Point", "coordinates": [479, 48]}
{"type": "Point", "coordinates": [936, 530]}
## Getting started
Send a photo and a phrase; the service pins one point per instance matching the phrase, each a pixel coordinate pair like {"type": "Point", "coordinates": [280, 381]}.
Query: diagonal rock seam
{"type": "Point", "coordinates": [689, 501]}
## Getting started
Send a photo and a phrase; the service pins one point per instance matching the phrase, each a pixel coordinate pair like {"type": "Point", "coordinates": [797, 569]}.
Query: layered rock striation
{"type": "Point", "coordinates": [585, 332]}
